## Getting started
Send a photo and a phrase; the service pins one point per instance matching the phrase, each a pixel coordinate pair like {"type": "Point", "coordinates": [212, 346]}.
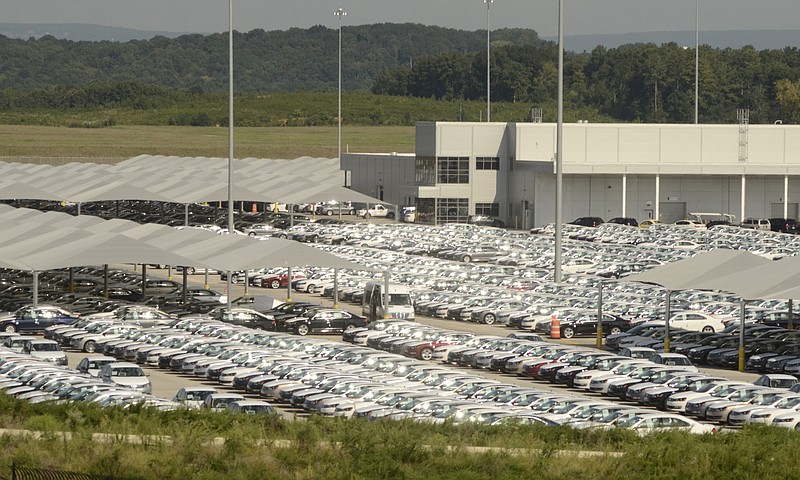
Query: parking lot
{"type": "Point", "coordinates": [478, 275]}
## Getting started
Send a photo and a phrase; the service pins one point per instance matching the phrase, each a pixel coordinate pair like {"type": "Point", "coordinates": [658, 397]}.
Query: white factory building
{"type": "Point", "coordinates": [507, 170]}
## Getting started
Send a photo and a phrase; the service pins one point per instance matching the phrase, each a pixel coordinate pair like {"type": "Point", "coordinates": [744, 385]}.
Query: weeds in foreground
{"type": "Point", "coordinates": [333, 448]}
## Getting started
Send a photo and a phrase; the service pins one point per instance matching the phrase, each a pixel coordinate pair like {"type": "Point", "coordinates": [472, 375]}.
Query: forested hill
{"type": "Point", "coordinates": [276, 61]}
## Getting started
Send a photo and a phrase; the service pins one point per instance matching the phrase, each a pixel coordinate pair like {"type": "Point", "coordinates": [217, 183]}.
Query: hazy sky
{"type": "Point", "coordinates": [581, 16]}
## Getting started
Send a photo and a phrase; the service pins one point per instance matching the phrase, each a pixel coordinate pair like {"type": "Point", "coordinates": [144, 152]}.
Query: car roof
{"type": "Point", "coordinates": [123, 364]}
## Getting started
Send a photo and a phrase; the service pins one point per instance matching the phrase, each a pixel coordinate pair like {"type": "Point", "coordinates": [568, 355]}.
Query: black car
{"type": "Point", "coordinates": [784, 225]}
{"type": "Point", "coordinates": [485, 221]}
{"type": "Point", "coordinates": [29, 319]}
{"type": "Point", "coordinates": [325, 321]}
{"type": "Point", "coordinates": [623, 221]}
{"type": "Point", "coordinates": [588, 221]}
{"type": "Point", "coordinates": [586, 324]}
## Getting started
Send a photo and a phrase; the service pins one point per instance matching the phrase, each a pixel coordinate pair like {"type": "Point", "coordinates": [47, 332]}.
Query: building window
{"type": "Point", "coordinates": [426, 210]}
{"type": "Point", "coordinates": [487, 163]}
{"type": "Point", "coordinates": [425, 173]}
{"type": "Point", "coordinates": [452, 210]}
{"type": "Point", "coordinates": [452, 169]}
{"type": "Point", "coordinates": [491, 209]}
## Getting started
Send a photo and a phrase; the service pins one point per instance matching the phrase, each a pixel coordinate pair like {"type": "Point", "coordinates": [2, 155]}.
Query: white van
{"type": "Point", "coordinates": [400, 301]}
{"type": "Point", "coordinates": [756, 223]}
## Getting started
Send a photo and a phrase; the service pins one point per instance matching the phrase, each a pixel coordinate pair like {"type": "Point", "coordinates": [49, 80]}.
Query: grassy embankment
{"type": "Point", "coordinates": [125, 141]}
{"type": "Point", "coordinates": [330, 448]}
{"type": "Point", "coordinates": [264, 125]}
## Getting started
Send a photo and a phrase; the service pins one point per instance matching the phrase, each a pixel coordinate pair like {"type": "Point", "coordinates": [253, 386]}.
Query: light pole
{"type": "Point", "coordinates": [230, 135]}
{"type": "Point", "coordinates": [230, 116]}
{"type": "Point", "coordinates": [696, 57]}
{"type": "Point", "coordinates": [488, 67]}
{"type": "Point", "coordinates": [559, 142]}
{"type": "Point", "coordinates": [340, 13]}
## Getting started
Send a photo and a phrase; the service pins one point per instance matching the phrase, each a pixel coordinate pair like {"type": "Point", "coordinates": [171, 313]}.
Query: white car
{"type": "Point", "coordinates": [193, 396]}
{"type": "Point", "coordinates": [645, 424]}
{"type": "Point", "coordinates": [126, 375]}
{"type": "Point", "coordinates": [93, 364]}
{"type": "Point", "coordinates": [691, 224]}
{"type": "Point", "coordinates": [697, 321]}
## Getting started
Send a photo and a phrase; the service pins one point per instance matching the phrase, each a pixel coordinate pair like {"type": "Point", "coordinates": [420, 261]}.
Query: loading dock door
{"type": "Point", "coordinates": [671, 212]}
{"type": "Point", "coordinates": [777, 210]}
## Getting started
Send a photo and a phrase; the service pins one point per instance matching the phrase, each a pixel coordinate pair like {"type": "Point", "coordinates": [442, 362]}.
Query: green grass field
{"type": "Point", "coordinates": [124, 141]}
{"type": "Point", "coordinates": [334, 448]}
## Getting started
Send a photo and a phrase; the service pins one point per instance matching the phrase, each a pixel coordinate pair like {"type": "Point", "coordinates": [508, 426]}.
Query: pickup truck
{"type": "Point", "coordinates": [376, 211]}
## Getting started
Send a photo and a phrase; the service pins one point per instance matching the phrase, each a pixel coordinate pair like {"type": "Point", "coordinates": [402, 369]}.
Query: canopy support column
{"type": "Point", "coordinates": [105, 281]}
{"type": "Point", "coordinates": [144, 281]}
{"type": "Point", "coordinates": [246, 282]}
{"type": "Point", "coordinates": [741, 332]}
{"type": "Point", "coordinates": [228, 292]}
{"type": "Point", "coordinates": [288, 284]}
{"type": "Point", "coordinates": [35, 289]}
{"type": "Point", "coordinates": [599, 340]}
{"type": "Point", "coordinates": [386, 294]}
{"type": "Point", "coordinates": [185, 285]}
{"type": "Point", "coordinates": [335, 288]}
{"type": "Point", "coordinates": [791, 315]}
{"type": "Point", "coordinates": [185, 214]}
{"type": "Point", "coordinates": [71, 280]}
{"type": "Point", "coordinates": [667, 314]}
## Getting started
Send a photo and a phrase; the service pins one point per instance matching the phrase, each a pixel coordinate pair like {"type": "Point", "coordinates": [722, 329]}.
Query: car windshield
{"type": "Point", "coordinates": [45, 347]}
{"type": "Point", "coordinates": [252, 409]}
{"type": "Point", "coordinates": [198, 395]}
{"type": "Point", "coordinates": [127, 372]}
{"type": "Point", "coordinates": [627, 421]}
{"type": "Point", "coordinates": [399, 299]}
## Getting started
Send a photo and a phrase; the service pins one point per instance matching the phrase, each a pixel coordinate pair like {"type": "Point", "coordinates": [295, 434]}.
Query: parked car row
{"type": "Point", "coordinates": [352, 381]}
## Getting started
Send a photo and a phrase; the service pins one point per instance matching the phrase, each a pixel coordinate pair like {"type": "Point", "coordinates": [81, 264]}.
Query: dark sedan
{"type": "Point", "coordinates": [586, 324]}
{"type": "Point", "coordinates": [324, 321]}
{"type": "Point", "coordinates": [29, 319]}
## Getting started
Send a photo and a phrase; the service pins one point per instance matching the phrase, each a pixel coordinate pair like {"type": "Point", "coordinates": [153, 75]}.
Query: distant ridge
{"type": "Point", "coordinates": [79, 32]}
{"type": "Point", "coordinates": [760, 39]}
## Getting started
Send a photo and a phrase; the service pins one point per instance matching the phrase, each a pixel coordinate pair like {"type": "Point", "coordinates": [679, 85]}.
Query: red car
{"type": "Point", "coordinates": [278, 281]}
{"type": "Point", "coordinates": [424, 350]}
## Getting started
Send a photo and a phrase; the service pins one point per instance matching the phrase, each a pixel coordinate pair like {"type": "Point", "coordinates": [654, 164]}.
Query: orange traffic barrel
{"type": "Point", "coordinates": [555, 327]}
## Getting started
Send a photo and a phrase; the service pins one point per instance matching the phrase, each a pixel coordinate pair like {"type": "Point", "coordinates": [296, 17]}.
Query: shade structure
{"type": "Point", "coordinates": [30, 241]}
{"type": "Point", "coordinates": [779, 279]}
{"type": "Point", "coordinates": [701, 271]}
{"type": "Point", "coordinates": [180, 180]}
{"type": "Point", "coordinates": [100, 249]}
{"type": "Point", "coordinates": [276, 252]}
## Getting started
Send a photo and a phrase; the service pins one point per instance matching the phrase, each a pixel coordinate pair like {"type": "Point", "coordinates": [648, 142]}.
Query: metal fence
{"type": "Point", "coordinates": [30, 473]}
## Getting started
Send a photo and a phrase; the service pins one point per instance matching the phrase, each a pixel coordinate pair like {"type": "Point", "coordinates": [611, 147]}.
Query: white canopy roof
{"type": "Point", "coordinates": [32, 240]}
{"type": "Point", "coordinates": [742, 273]}
{"type": "Point", "coordinates": [181, 180]}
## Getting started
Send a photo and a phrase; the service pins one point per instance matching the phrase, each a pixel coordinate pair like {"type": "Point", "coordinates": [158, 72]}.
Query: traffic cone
{"type": "Point", "coordinates": [555, 327]}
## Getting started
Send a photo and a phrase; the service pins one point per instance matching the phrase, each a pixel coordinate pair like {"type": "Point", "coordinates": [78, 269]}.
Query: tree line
{"type": "Point", "coordinates": [631, 83]}
{"type": "Point", "coordinates": [275, 61]}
